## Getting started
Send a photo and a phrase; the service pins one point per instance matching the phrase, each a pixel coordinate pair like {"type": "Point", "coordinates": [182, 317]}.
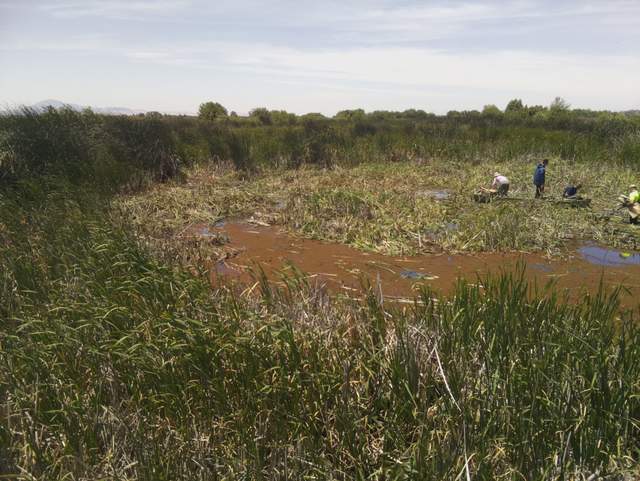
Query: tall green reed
{"type": "Point", "coordinates": [114, 365]}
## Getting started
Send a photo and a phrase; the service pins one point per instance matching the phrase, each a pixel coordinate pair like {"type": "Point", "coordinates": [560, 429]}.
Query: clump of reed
{"type": "Point", "coordinates": [105, 152]}
{"type": "Point", "coordinates": [391, 137]}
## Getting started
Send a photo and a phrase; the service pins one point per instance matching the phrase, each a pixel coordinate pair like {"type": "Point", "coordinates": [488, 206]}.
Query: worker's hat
{"type": "Point", "coordinates": [496, 174]}
{"type": "Point", "coordinates": [633, 186]}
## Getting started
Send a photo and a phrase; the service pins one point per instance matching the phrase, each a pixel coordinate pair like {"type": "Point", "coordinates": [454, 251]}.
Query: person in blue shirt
{"type": "Point", "coordinates": [571, 191]}
{"type": "Point", "coordinates": [539, 177]}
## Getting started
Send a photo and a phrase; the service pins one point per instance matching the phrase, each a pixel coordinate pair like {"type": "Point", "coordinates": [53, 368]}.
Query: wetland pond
{"type": "Point", "coordinates": [341, 268]}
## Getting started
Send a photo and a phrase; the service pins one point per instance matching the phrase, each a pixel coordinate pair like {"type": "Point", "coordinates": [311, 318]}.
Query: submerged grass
{"type": "Point", "coordinates": [116, 366]}
{"type": "Point", "coordinates": [399, 208]}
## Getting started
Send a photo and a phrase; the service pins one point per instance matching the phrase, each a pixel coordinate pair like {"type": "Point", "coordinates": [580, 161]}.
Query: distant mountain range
{"type": "Point", "coordinates": [57, 104]}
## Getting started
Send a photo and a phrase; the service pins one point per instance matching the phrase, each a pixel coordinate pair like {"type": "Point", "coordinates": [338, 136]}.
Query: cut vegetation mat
{"type": "Point", "coordinates": [383, 208]}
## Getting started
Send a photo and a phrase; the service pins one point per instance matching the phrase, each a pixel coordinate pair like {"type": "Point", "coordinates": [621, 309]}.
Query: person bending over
{"type": "Point", "coordinates": [500, 184]}
{"type": "Point", "coordinates": [571, 191]}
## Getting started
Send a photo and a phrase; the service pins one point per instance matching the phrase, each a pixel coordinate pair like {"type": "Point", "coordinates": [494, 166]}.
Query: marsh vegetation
{"type": "Point", "coordinates": [119, 361]}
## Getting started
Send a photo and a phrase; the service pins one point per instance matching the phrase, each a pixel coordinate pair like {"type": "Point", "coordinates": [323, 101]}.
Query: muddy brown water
{"type": "Point", "coordinates": [341, 268]}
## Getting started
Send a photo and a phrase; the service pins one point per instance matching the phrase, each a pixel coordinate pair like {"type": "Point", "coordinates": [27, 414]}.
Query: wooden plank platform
{"type": "Point", "coordinates": [484, 198]}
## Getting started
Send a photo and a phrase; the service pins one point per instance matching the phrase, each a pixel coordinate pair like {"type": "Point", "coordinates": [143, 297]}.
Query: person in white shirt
{"type": "Point", "coordinates": [500, 184]}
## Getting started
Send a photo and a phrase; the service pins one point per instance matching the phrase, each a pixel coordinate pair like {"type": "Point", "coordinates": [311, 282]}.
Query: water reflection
{"type": "Point", "coordinates": [602, 256]}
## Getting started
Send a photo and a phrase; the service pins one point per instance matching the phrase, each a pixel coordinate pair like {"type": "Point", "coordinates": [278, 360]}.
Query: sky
{"type": "Point", "coordinates": [320, 56]}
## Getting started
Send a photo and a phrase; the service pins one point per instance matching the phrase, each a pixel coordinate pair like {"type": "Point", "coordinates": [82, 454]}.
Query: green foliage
{"type": "Point", "coordinates": [56, 141]}
{"type": "Point", "coordinates": [109, 151]}
{"type": "Point", "coordinates": [281, 139]}
{"type": "Point", "coordinates": [364, 127]}
{"type": "Point", "coordinates": [116, 366]}
{"type": "Point", "coordinates": [559, 105]}
{"type": "Point", "coordinates": [416, 114]}
{"type": "Point", "coordinates": [628, 149]}
{"type": "Point", "coordinates": [211, 111]}
{"type": "Point", "coordinates": [514, 105]}
{"type": "Point", "coordinates": [144, 144]}
{"type": "Point", "coordinates": [491, 110]}
{"type": "Point", "coordinates": [240, 151]}
{"type": "Point", "coordinates": [313, 117]}
{"type": "Point", "coordinates": [262, 114]}
{"type": "Point", "coordinates": [357, 114]}
{"type": "Point", "coordinates": [103, 149]}
{"type": "Point", "coordinates": [282, 117]}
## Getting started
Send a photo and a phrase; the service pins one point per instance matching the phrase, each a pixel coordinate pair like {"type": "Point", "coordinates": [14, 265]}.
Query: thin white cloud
{"type": "Point", "coordinates": [355, 16]}
{"type": "Point", "coordinates": [148, 55]}
{"type": "Point", "coordinates": [113, 8]}
{"type": "Point", "coordinates": [390, 23]}
{"type": "Point", "coordinates": [91, 43]}
{"type": "Point", "coordinates": [360, 21]}
{"type": "Point", "coordinates": [394, 50]}
{"type": "Point", "coordinates": [532, 71]}
{"type": "Point", "coordinates": [386, 69]}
